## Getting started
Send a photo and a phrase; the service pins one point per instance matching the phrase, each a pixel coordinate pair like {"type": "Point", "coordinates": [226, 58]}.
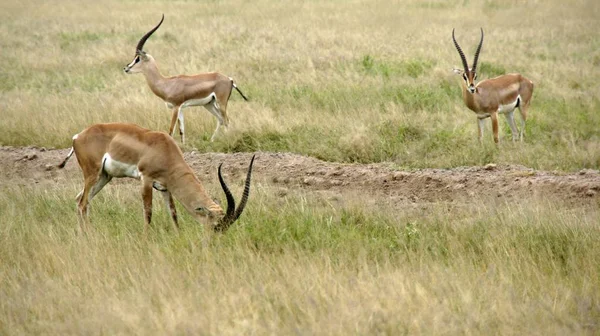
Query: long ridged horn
{"type": "Point", "coordinates": [461, 53]}
{"type": "Point", "coordinates": [230, 200]}
{"type": "Point", "coordinates": [142, 41]}
{"type": "Point", "coordinates": [477, 52]}
{"type": "Point", "coordinates": [246, 192]}
{"type": "Point", "coordinates": [230, 215]}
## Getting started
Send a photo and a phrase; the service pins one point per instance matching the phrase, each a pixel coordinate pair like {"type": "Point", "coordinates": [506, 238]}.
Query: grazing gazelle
{"type": "Point", "coordinates": [112, 150]}
{"type": "Point", "coordinates": [211, 90]}
{"type": "Point", "coordinates": [489, 97]}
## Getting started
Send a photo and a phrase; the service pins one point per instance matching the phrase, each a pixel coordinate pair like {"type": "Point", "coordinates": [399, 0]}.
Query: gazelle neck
{"type": "Point", "coordinates": [154, 78]}
{"type": "Point", "coordinates": [470, 98]}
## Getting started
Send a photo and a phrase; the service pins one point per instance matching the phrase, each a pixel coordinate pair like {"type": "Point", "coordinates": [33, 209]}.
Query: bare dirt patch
{"type": "Point", "coordinates": [287, 171]}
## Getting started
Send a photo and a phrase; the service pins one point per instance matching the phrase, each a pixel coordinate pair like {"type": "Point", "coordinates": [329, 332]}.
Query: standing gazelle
{"type": "Point", "coordinates": [112, 150]}
{"type": "Point", "coordinates": [211, 90]}
{"type": "Point", "coordinates": [489, 97]}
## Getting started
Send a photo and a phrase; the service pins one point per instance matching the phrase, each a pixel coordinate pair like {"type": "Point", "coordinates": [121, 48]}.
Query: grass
{"type": "Point", "coordinates": [345, 81]}
{"type": "Point", "coordinates": [310, 74]}
{"type": "Point", "coordinates": [296, 264]}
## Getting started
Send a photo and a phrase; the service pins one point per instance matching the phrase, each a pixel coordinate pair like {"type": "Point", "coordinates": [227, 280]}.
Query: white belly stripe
{"type": "Point", "coordinates": [115, 168]}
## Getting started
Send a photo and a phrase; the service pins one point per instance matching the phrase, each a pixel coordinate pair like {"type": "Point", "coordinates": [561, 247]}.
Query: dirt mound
{"type": "Point", "coordinates": [31, 165]}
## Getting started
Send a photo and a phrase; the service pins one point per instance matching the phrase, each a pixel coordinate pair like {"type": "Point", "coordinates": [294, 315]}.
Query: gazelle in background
{"type": "Point", "coordinates": [211, 90]}
{"type": "Point", "coordinates": [496, 95]}
{"type": "Point", "coordinates": [112, 150]}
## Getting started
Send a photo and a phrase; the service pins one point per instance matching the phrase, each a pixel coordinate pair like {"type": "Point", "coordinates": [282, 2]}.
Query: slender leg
{"type": "Point", "coordinates": [213, 108]}
{"type": "Point", "coordinates": [523, 112]}
{"type": "Point", "coordinates": [78, 197]}
{"type": "Point", "coordinates": [181, 127]}
{"type": "Point", "coordinates": [171, 207]}
{"type": "Point", "coordinates": [82, 204]}
{"type": "Point", "coordinates": [174, 112]}
{"type": "Point", "coordinates": [147, 200]}
{"type": "Point", "coordinates": [103, 179]}
{"type": "Point", "coordinates": [480, 125]}
{"type": "Point", "coordinates": [92, 187]}
{"type": "Point", "coordinates": [494, 116]}
{"type": "Point", "coordinates": [510, 117]}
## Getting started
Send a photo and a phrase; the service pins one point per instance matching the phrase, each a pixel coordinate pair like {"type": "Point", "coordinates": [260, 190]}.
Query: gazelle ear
{"type": "Point", "coordinates": [458, 71]}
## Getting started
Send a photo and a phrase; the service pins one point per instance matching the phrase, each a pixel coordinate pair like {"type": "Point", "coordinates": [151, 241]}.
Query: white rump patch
{"type": "Point", "coordinates": [116, 168]}
{"type": "Point", "coordinates": [509, 107]}
{"type": "Point", "coordinates": [75, 136]}
{"type": "Point", "coordinates": [199, 102]}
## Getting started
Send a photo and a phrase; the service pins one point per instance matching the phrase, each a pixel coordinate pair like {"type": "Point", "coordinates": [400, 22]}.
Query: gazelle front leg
{"type": "Point", "coordinates": [171, 207]}
{"type": "Point", "coordinates": [494, 116]}
{"type": "Point", "coordinates": [177, 114]}
{"type": "Point", "coordinates": [480, 126]}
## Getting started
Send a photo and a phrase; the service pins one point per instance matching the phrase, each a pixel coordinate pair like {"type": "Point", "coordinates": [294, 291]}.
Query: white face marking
{"type": "Point", "coordinates": [132, 63]}
{"type": "Point", "coordinates": [129, 67]}
{"type": "Point", "coordinates": [116, 168]}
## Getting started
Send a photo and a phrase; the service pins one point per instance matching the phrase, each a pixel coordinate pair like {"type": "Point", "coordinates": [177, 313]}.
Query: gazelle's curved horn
{"type": "Point", "coordinates": [140, 45]}
{"type": "Point", "coordinates": [461, 53]}
{"type": "Point", "coordinates": [230, 200]}
{"type": "Point", "coordinates": [477, 52]}
{"type": "Point", "coordinates": [231, 216]}
{"type": "Point", "coordinates": [246, 192]}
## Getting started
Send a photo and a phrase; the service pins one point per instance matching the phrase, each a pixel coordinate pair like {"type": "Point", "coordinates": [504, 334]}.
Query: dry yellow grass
{"type": "Point", "coordinates": [300, 267]}
{"type": "Point", "coordinates": [342, 80]}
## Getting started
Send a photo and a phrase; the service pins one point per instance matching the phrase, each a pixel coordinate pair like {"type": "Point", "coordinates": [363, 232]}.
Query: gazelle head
{"type": "Point", "coordinates": [141, 57]}
{"type": "Point", "coordinates": [469, 75]}
{"type": "Point", "coordinates": [219, 221]}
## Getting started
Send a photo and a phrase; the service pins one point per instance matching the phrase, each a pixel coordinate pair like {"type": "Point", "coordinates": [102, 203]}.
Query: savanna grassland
{"type": "Point", "coordinates": [363, 83]}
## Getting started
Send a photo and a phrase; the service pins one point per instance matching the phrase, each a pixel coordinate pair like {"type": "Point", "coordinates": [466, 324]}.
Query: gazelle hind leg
{"type": "Point", "coordinates": [510, 117]}
{"type": "Point", "coordinates": [92, 187]}
{"type": "Point", "coordinates": [181, 126]}
{"type": "Point", "coordinates": [213, 108]}
{"type": "Point", "coordinates": [82, 201]}
{"type": "Point", "coordinates": [103, 179]}
{"type": "Point", "coordinates": [78, 197]}
{"type": "Point", "coordinates": [523, 113]}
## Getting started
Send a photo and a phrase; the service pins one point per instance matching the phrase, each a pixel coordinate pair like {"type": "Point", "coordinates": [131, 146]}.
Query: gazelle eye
{"type": "Point", "coordinates": [202, 211]}
{"type": "Point", "coordinates": [465, 76]}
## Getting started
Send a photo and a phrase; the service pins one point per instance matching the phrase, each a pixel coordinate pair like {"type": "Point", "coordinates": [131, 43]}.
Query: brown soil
{"type": "Point", "coordinates": [286, 171]}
